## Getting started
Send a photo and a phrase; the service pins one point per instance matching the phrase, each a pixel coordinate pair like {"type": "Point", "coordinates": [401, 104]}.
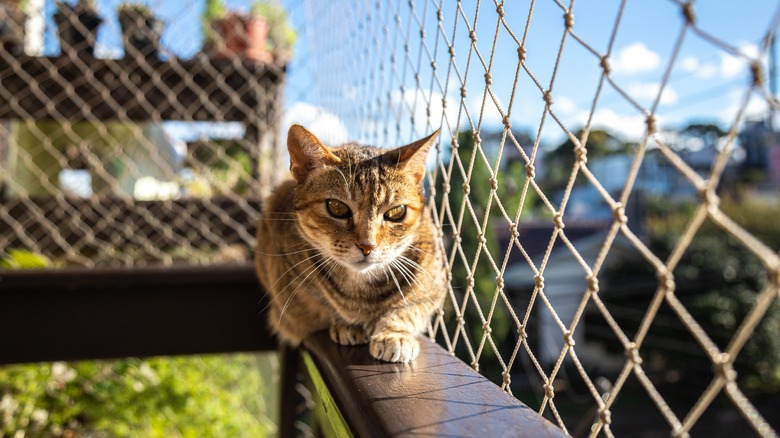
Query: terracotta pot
{"type": "Point", "coordinates": [241, 36]}
{"type": "Point", "coordinates": [12, 29]}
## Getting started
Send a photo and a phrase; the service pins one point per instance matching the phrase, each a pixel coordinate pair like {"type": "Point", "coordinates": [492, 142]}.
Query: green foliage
{"type": "Point", "coordinates": [718, 280]}
{"type": "Point", "coordinates": [159, 397]}
{"type": "Point", "coordinates": [23, 259]}
{"type": "Point", "coordinates": [281, 36]}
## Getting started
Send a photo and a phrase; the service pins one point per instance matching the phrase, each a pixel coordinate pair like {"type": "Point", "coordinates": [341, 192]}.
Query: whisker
{"type": "Point", "coordinates": [311, 269]}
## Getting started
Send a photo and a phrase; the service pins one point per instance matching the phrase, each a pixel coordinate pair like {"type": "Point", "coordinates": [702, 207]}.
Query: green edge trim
{"type": "Point", "coordinates": [329, 408]}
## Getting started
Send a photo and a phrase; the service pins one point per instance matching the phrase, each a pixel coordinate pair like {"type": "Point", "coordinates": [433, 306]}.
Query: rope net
{"type": "Point", "coordinates": [534, 289]}
{"type": "Point", "coordinates": [584, 277]}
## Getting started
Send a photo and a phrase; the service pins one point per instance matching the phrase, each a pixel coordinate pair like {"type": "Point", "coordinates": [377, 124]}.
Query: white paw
{"type": "Point", "coordinates": [348, 334]}
{"type": "Point", "coordinates": [394, 347]}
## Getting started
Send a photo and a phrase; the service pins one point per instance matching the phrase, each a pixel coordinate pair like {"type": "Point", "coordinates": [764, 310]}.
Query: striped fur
{"type": "Point", "coordinates": [366, 278]}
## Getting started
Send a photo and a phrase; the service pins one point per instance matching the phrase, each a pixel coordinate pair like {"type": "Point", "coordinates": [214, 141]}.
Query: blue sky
{"type": "Point", "coordinates": [705, 83]}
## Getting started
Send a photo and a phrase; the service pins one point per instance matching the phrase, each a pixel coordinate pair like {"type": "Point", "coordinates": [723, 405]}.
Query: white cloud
{"type": "Point", "coordinates": [629, 127]}
{"type": "Point", "coordinates": [491, 116]}
{"type": "Point", "coordinates": [327, 126]}
{"type": "Point", "coordinates": [649, 91]}
{"type": "Point", "coordinates": [731, 66]}
{"type": "Point", "coordinates": [635, 58]}
{"type": "Point", "coordinates": [691, 64]}
{"type": "Point", "coordinates": [564, 106]}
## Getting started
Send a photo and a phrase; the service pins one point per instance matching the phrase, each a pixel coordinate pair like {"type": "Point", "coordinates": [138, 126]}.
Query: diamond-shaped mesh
{"type": "Point", "coordinates": [102, 163]}
{"type": "Point", "coordinates": [395, 71]}
{"type": "Point", "coordinates": [93, 173]}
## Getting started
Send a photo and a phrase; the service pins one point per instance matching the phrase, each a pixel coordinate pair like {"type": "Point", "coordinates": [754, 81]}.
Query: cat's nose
{"type": "Point", "coordinates": [366, 247]}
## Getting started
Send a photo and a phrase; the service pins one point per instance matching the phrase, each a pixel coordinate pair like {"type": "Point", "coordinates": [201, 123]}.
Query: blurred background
{"type": "Point", "coordinates": [606, 185]}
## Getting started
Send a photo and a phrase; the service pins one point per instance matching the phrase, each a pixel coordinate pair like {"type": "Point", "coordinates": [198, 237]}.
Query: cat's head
{"type": "Point", "coordinates": [360, 206]}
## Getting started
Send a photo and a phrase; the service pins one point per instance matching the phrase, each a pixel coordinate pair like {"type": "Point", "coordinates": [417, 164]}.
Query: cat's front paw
{"type": "Point", "coordinates": [348, 334]}
{"type": "Point", "coordinates": [394, 347]}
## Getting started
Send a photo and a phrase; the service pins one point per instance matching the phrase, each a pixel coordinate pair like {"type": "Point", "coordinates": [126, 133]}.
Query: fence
{"type": "Point", "coordinates": [563, 291]}
{"type": "Point", "coordinates": [534, 288]}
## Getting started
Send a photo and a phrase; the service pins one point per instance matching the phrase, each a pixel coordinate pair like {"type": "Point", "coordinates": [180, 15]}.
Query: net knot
{"type": "Point", "coordinates": [522, 53]}
{"type": "Point", "coordinates": [500, 11]}
{"type": "Point", "coordinates": [521, 332]}
{"type": "Point", "coordinates": [530, 171]}
{"type": "Point", "coordinates": [506, 122]}
{"type": "Point", "coordinates": [477, 138]}
{"type": "Point", "coordinates": [581, 153]}
{"type": "Point", "coordinates": [605, 415]}
{"type": "Point", "coordinates": [466, 189]}
{"type": "Point", "coordinates": [475, 365]}
{"type": "Point", "coordinates": [513, 230]}
{"type": "Point", "coordinates": [593, 283]}
{"type": "Point", "coordinates": [758, 73]}
{"type": "Point", "coordinates": [481, 238]}
{"type": "Point", "coordinates": [486, 328]}
{"type": "Point", "coordinates": [500, 282]}
{"type": "Point", "coordinates": [433, 65]}
{"type": "Point", "coordinates": [459, 319]}
{"type": "Point", "coordinates": [452, 51]}
{"type": "Point", "coordinates": [568, 338]}
{"type": "Point", "coordinates": [679, 433]}
{"type": "Point", "coordinates": [568, 19]}
{"type": "Point", "coordinates": [632, 354]}
{"type": "Point", "coordinates": [548, 98]}
{"type": "Point", "coordinates": [446, 188]}
{"type": "Point", "coordinates": [454, 141]}
{"type": "Point", "coordinates": [443, 99]}
{"type": "Point", "coordinates": [439, 14]}
{"type": "Point", "coordinates": [651, 124]}
{"type": "Point", "coordinates": [463, 92]}
{"type": "Point", "coordinates": [689, 13]}
{"type": "Point", "coordinates": [493, 183]}
{"type": "Point", "coordinates": [539, 280]}
{"type": "Point", "coordinates": [723, 366]}
{"type": "Point", "coordinates": [549, 392]}
{"type": "Point", "coordinates": [473, 36]}
{"type": "Point", "coordinates": [709, 197]}
{"type": "Point", "coordinates": [558, 221]}
{"type": "Point", "coordinates": [666, 279]}
{"type": "Point", "coordinates": [470, 281]}
{"type": "Point", "coordinates": [506, 379]}
{"type": "Point", "coordinates": [488, 79]}
{"type": "Point", "coordinates": [619, 212]}
{"type": "Point", "coordinates": [605, 65]}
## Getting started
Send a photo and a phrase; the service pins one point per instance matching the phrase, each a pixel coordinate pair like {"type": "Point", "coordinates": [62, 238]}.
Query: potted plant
{"type": "Point", "coordinates": [234, 34]}
{"type": "Point", "coordinates": [141, 30]}
{"type": "Point", "coordinates": [12, 20]}
{"type": "Point", "coordinates": [77, 26]}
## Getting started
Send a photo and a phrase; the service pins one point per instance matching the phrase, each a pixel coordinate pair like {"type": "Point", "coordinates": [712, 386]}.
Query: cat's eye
{"type": "Point", "coordinates": [337, 209]}
{"type": "Point", "coordinates": [396, 214]}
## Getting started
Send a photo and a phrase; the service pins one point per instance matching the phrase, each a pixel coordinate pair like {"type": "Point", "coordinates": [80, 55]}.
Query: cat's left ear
{"type": "Point", "coordinates": [411, 158]}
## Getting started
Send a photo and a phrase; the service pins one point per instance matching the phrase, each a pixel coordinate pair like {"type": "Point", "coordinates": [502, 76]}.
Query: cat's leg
{"type": "Point", "coordinates": [394, 338]}
{"type": "Point", "coordinates": [347, 334]}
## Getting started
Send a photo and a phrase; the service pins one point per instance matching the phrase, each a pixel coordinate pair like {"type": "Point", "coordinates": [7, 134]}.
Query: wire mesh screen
{"type": "Point", "coordinates": [599, 184]}
{"type": "Point", "coordinates": [136, 134]}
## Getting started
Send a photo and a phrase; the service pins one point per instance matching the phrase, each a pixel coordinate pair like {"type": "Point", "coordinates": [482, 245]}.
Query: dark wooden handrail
{"type": "Point", "coordinates": [74, 314]}
{"type": "Point", "coordinates": [436, 395]}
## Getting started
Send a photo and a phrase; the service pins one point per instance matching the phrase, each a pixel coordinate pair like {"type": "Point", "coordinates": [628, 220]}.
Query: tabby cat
{"type": "Point", "coordinates": [350, 246]}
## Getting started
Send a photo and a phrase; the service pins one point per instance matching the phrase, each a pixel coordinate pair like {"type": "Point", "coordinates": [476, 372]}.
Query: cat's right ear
{"type": "Point", "coordinates": [306, 152]}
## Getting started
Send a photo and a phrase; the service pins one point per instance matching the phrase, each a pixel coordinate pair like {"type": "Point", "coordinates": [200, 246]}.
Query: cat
{"type": "Point", "coordinates": [349, 245]}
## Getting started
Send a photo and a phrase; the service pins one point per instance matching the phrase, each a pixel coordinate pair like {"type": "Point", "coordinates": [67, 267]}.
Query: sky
{"type": "Point", "coordinates": [325, 85]}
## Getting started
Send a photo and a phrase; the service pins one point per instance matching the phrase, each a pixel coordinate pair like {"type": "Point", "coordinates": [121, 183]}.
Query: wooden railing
{"type": "Point", "coordinates": [76, 314]}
